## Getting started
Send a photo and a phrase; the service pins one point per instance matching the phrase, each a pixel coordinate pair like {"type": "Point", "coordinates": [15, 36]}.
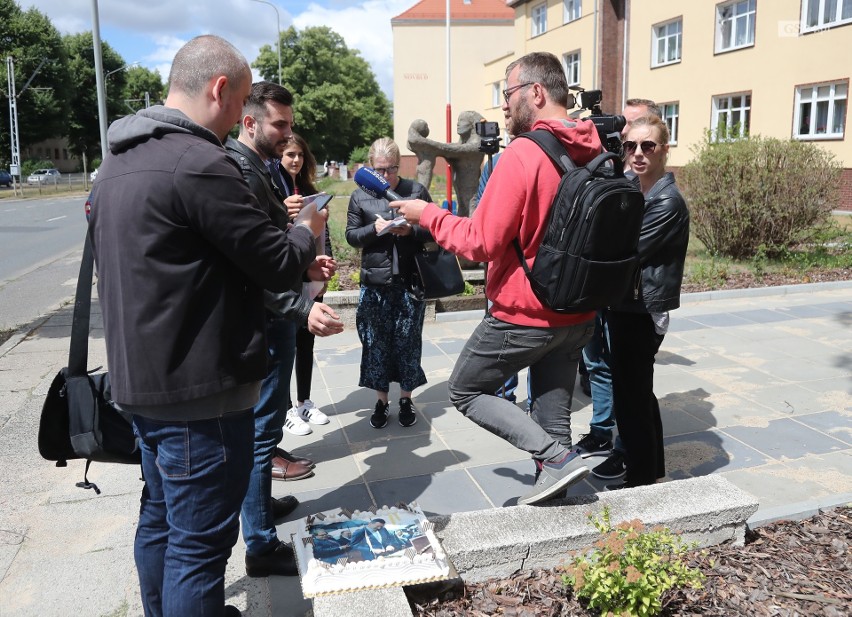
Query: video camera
{"type": "Point", "coordinates": [489, 136]}
{"type": "Point", "coordinates": [609, 126]}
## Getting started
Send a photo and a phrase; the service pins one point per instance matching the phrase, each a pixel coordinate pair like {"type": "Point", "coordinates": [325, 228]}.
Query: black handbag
{"type": "Point", "coordinates": [78, 418]}
{"type": "Point", "coordinates": [438, 273]}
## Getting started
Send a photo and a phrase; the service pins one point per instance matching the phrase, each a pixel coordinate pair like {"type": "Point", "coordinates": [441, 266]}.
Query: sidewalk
{"type": "Point", "coordinates": [755, 385]}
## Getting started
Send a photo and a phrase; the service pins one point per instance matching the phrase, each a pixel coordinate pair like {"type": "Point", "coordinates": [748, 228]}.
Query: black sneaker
{"type": "Point", "coordinates": [613, 467]}
{"type": "Point", "coordinates": [406, 412]}
{"type": "Point", "coordinates": [616, 486]}
{"type": "Point", "coordinates": [379, 419]}
{"type": "Point", "coordinates": [592, 445]}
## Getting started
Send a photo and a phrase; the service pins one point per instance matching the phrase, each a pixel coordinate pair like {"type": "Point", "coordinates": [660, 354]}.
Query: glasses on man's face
{"type": "Point", "coordinates": [386, 170]}
{"type": "Point", "coordinates": [508, 92]}
{"type": "Point", "coordinates": [647, 146]}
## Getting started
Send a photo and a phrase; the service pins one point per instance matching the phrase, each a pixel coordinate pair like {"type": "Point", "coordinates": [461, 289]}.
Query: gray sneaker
{"type": "Point", "coordinates": [555, 477]}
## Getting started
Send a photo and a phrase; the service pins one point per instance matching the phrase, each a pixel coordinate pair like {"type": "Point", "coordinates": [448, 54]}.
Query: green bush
{"type": "Point", "coordinates": [358, 155]}
{"type": "Point", "coordinates": [759, 195]}
{"type": "Point", "coordinates": [630, 568]}
{"type": "Point", "coordinates": [30, 165]}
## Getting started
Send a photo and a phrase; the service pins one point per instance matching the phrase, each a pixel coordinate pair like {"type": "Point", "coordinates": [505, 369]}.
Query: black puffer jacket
{"type": "Point", "coordinates": [662, 249]}
{"type": "Point", "coordinates": [377, 251]}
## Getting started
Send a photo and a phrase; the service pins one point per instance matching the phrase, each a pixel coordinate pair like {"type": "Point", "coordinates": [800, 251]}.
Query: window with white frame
{"type": "Point", "coordinates": [666, 43]}
{"type": "Point", "coordinates": [818, 14]}
{"type": "Point", "coordinates": [539, 19]}
{"type": "Point", "coordinates": [731, 116]}
{"type": "Point", "coordinates": [671, 112]}
{"type": "Point", "coordinates": [820, 111]}
{"type": "Point", "coordinates": [735, 25]}
{"type": "Point", "coordinates": [496, 94]}
{"type": "Point", "coordinates": [571, 64]}
{"type": "Point", "coordinates": [572, 10]}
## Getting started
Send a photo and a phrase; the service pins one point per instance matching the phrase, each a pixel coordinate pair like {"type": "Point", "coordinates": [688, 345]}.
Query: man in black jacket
{"type": "Point", "coordinates": [183, 253]}
{"type": "Point", "coordinates": [264, 132]}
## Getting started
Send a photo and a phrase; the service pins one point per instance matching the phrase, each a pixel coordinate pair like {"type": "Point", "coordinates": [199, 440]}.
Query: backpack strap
{"type": "Point", "coordinates": [557, 153]}
{"type": "Point", "coordinates": [552, 147]}
{"type": "Point", "coordinates": [85, 483]}
{"type": "Point", "coordinates": [79, 348]}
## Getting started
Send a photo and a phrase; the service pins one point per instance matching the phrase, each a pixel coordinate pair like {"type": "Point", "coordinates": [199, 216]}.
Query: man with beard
{"type": "Point", "coordinates": [265, 129]}
{"type": "Point", "coordinates": [520, 332]}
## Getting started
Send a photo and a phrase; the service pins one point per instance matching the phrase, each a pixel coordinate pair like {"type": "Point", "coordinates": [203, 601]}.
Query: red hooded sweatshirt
{"type": "Point", "coordinates": [516, 204]}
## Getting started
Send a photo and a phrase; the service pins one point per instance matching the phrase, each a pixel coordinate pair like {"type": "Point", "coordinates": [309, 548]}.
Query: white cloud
{"type": "Point", "coordinates": [365, 27]}
{"type": "Point", "coordinates": [151, 31]}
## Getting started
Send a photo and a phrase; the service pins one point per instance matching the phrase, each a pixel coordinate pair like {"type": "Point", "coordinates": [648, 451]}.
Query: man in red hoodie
{"type": "Point", "coordinates": [520, 332]}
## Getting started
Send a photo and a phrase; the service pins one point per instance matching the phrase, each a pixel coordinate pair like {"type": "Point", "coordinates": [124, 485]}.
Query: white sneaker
{"type": "Point", "coordinates": [294, 424]}
{"type": "Point", "coordinates": [311, 413]}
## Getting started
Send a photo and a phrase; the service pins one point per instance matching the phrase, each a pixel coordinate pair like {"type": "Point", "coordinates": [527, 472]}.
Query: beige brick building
{"type": "Point", "coordinates": [778, 68]}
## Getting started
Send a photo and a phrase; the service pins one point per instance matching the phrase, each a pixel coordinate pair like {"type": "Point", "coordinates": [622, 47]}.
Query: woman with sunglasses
{"type": "Point", "coordinates": [389, 319]}
{"type": "Point", "coordinates": [637, 325]}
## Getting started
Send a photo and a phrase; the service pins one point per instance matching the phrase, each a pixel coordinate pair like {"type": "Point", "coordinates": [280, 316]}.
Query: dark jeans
{"type": "Point", "coordinates": [196, 474]}
{"type": "Point", "coordinates": [495, 351]}
{"type": "Point", "coordinates": [259, 531]}
{"type": "Point", "coordinates": [637, 412]}
{"type": "Point", "coordinates": [596, 359]}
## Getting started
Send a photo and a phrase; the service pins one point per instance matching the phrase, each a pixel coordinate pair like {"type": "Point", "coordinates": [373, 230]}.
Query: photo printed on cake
{"type": "Point", "coordinates": [384, 535]}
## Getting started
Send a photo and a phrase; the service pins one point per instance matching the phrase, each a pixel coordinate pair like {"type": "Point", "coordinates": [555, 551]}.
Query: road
{"type": "Point", "coordinates": [41, 241]}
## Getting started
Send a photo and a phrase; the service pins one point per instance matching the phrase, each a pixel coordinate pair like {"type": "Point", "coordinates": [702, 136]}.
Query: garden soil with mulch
{"type": "Point", "coordinates": [785, 569]}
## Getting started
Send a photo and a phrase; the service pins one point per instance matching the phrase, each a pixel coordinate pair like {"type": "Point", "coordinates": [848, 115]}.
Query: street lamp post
{"type": "Point", "coordinates": [278, 43]}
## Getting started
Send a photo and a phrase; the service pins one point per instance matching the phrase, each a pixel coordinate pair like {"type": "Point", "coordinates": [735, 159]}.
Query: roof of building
{"type": "Point", "coordinates": [460, 10]}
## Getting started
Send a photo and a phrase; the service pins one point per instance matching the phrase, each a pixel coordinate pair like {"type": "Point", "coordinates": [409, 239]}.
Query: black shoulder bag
{"type": "Point", "coordinates": [78, 418]}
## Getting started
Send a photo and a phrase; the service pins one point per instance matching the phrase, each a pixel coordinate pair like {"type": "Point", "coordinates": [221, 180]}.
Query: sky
{"type": "Point", "coordinates": [149, 32]}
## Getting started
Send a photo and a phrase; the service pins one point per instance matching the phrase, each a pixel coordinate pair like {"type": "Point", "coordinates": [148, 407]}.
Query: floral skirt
{"type": "Point", "coordinates": [390, 326]}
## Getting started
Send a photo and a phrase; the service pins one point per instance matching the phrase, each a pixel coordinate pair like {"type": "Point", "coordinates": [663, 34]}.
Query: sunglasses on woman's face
{"type": "Point", "coordinates": [647, 146]}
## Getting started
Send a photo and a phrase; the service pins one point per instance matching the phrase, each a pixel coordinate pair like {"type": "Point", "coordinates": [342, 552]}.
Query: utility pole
{"type": "Point", "coordinates": [99, 78]}
{"type": "Point", "coordinates": [15, 167]}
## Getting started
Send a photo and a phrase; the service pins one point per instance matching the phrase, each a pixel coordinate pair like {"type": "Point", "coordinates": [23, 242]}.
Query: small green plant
{"type": "Point", "coordinates": [712, 274]}
{"type": "Point", "coordinates": [469, 289]}
{"type": "Point", "coordinates": [630, 568]}
{"type": "Point", "coordinates": [355, 277]}
{"type": "Point", "coordinates": [334, 282]}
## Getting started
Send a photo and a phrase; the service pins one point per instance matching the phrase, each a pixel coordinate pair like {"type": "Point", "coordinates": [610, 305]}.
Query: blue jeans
{"type": "Point", "coordinates": [259, 531]}
{"type": "Point", "coordinates": [495, 351]}
{"type": "Point", "coordinates": [196, 474]}
{"type": "Point", "coordinates": [597, 358]}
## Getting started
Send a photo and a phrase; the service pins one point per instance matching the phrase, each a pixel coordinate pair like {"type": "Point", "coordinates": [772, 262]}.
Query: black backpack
{"type": "Point", "coordinates": [588, 258]}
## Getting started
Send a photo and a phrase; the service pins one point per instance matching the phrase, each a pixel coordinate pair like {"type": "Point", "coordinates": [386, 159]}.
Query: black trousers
{"type": "Point", "coordinates": [634, 345]}
{"type": "Point", "coordinates": [304, 363]}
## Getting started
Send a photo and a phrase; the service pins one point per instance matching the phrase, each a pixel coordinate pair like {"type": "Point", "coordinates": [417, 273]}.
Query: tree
{"type": "Point", "coordinates": [83, 129]}
{"type": "Point", "coordinates": [338, 103]}
{"type": "Point", "coordinates": [33, 42]}
{"type": "Point", "coordinates": [140, 81]}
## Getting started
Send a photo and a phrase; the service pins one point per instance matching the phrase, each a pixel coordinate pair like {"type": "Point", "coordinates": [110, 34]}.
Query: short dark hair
{"type": "Point", "coordinates": [263, 92]}
{"type": "Point", "coordinates": [203, 58]}
{"type": "Point", "coordinates": [545, 69]}
{"type": "Point", "coordinates": [653, 108]}
{"type": "Point", "coordinates": [378, 520]}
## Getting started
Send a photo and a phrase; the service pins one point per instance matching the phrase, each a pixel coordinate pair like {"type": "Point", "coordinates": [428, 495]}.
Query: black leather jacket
{"type": "Point", "coordinates": [662, 250]}
{"type": "Point", "coordinates": [291, 305]}
{"type": "Point", "coordinates": [377, 251]}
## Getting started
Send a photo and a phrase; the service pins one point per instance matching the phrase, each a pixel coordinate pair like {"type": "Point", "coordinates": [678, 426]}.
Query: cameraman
{"type": "Point", "coordinates": [519, 331]}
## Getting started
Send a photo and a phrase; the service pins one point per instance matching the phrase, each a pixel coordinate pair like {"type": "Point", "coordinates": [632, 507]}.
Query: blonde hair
{"type": "Point", "coordinates": [384, 147]}
{"type": "Point", "coordinates": [653, 122]}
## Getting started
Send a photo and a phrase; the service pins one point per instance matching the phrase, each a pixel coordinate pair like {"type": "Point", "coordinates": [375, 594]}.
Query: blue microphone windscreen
{"type": "Point", "coordinates": [371, 182]}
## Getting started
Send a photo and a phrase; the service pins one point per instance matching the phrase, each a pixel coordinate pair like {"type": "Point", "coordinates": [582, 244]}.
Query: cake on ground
{"type": "Point", "coordinates": [342, 550]}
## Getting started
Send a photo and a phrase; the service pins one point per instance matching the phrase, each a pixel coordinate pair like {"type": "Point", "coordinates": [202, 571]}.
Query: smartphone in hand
{"type": "Point", "coordinates": [320, 200]}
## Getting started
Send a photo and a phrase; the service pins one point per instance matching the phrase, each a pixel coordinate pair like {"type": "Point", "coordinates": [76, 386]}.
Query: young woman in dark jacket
{"type": "Point", "coordinates": [389, 319]}
{"type": "Point", "coordinates": [637, 326]}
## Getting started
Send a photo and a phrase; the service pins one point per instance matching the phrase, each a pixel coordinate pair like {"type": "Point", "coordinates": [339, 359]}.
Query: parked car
{"type": "Point", "coordinates": [93, 175]}
{"type": "Point", "coordinates": [88, 207]}
{"type": "Point", "coordinates": [41, 176]}
{"type": "Point", "coordinates": [5, 178]}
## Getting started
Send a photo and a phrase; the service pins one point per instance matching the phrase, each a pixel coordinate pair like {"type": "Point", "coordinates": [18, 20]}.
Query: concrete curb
{"type": "Point", "coordinates": [482, 544]}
